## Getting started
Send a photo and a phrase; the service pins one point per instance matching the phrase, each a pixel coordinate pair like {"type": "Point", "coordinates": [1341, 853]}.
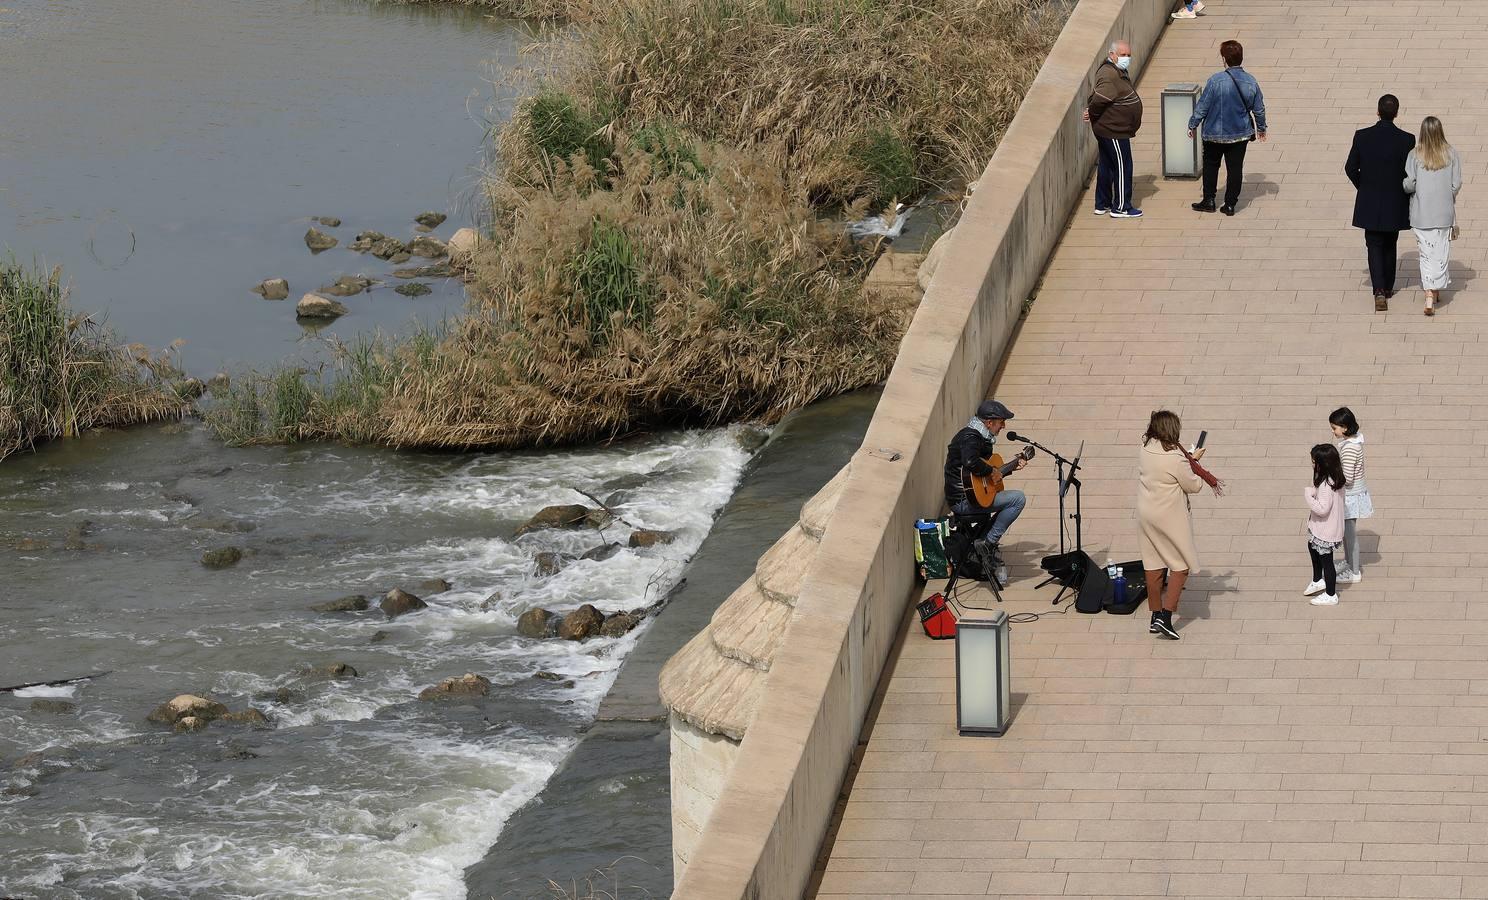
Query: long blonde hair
{"type": "Point", "coordinates": [1432, 148]}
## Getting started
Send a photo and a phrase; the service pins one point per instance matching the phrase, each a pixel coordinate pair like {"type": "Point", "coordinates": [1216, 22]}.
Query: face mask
{"type": "Point", "coordinates": [1123, 63]}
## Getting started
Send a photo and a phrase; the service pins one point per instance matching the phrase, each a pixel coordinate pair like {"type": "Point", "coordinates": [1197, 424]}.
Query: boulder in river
{"type": "Point", "coordinates": [347, 286]}
{"type": "Point", "coordinates": [433, 270]}
{"type": "Point", "coordinates": [647, 537]}
{"type": "Point", "coordinates": [378, 637]}
{"type": "Point", "coordinates": [57, 707]}
{"type": "Point", "coordinates": [581, 624]}
{"type": "Point", "coordinates": [570, 515]}
{"type": "Point", "coordinates": [467, 685]}
{"type": "Point", "coordinates": [365, 240]}
{"type": "Point", "coordinates": [283, 696]}
{"type": "Point", "coordinates": [75, 535]}
{"type": "Point", "coordinates": [187, 706]}
{"type": "Point", "coordinates": [428, 246]}
{"type": "Point", "coordinates": [31, 544]}
{"type": "Point", "coordinates": [399, 258]}
{"type": "Point", "coordinates": [222, 557]}
{"type": "Point", "coordinates": [349, 603]}
{"type": "Point", "coordinates": [618, 625]}
{"type": "Point", "coordinates": [273, 289]}
{"type": "Point", "coordinates": [431, 219]}
{"type": "Point", "coordinates": [538, 623]}
{"type": "Point", "coordinates": [430, 586]}
{"type": "Point", "coordinates": [314, 306]}
{"type": "Point", "coordinates": [602, 552]}
{"type": "Point", "coordinates": [191, 723]}
{"type": "Point", "coordinates": [548, 563]}
{"type": "Point", "coordinates": [414, 289]}
{"type": "Point", "coordinates": [462, 244]}
{"type": "Point", "coordinates": [328, 221]}
{"type": "Point", "coordinates": [332, 670]}
{"type": "Point", "coordinates": [547, 676]}
{"type": "Point", "coordinates": [250, 717]}
{"type": "Point", "coordinates": [318, 240]}
{"type": "Point", "coordinates": [397, 602]}
{"type": "Point", "coordinates": [388, 247]}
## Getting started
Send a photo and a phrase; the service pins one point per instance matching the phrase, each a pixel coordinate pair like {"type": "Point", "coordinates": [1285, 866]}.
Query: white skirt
{"type": "Point", "coordinates": [1357, 504]}
{"type": "Point", "coordinates": [1435, 249]}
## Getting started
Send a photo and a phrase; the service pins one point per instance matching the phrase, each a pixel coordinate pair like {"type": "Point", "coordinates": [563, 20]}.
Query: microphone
{"type": "Point", "coordinates": [1015, 436]}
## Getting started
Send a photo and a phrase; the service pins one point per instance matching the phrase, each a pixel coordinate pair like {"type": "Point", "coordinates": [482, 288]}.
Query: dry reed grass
{"type": "Point", "coordinates": [656, 253]}
{"type": "Point", "coordinates": [61, 374]}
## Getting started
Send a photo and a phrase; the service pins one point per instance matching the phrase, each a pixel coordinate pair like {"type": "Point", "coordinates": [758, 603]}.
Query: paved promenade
{"type": "Point", "coordinates": [1279, 749]}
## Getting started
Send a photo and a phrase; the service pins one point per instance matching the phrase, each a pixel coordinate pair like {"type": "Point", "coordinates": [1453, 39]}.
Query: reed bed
{"type": "Point", "coordinates": [662, 246]}
{"type": "Point", "coordinates": [61, 373]}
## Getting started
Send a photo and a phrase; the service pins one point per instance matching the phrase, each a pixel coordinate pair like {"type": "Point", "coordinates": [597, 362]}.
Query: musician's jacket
{"type": "Point", "coordinates": [966, 455]}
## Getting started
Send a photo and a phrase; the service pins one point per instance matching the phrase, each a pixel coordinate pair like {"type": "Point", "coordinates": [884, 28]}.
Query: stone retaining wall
{"type": "Point", "coordinates": [762, 834]}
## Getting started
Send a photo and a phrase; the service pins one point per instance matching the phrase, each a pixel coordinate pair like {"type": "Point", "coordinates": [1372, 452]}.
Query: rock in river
{"type": "Point", "coordinates": [433, 270]}
{"type": "Point", "coordinates": [397, 602]}
{"type": "Point", "coordinates": [60, 707]}
{"type": "Point", "coordinates": [618, 625]}
{"type": "Point", "coordinates": [428, 246]}
{"type": "Point", "coordinates": [318, 240]}
{"type": "Point", "coordinates": [272, 289]}
{"type": "Point", "coordinates": [602, 552]}
{"type": "Point", "coordinates": [581, 624]}
{"type": "Point", "coordinates": [430, 219]}
{"type": "Point", "coordinates": [646, 537]}
{"type": "Point", "coordinates": [430, 586]}
{"type": "Point", "coordinates": [570, 515]}
{"type": "Point", "coordinates": [347, 285]}
{"type": "Point", "coordinates": [329, 221]}
{"type": "Point", "coordinates": [414, 289]}
{"type": "Point", "coordinates": [332, 670]}
{"type": "Point", "coordinates": [250, 717]}
{"type": "Point", "coordinates": [314, 306]}
{"type": "Point", "coordinates": [462, 244]}
{"type": "Point", "coordinates": [538, 623]}
{"type": "Point", "coordinates": [548, 563]}
{"type": "Point", "coordinates": [222, 557]}
{"type": "Point", "coordinates": [365, 240]}
{"type": "Point", "coordinates": [388, 247]}
{"type": "Point", "coordinates": [349, 603]}
{"type": "Point", "coordinates": [187, 706]}
{"type": "Point", "coordinates": [468, 685]}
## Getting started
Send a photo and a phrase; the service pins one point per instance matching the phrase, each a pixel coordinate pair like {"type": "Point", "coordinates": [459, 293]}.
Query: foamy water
{"type": "Point", "coordinates": [359, 790]}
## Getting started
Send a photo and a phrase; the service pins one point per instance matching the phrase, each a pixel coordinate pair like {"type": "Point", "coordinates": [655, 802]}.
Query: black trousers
{"type": "Point", "coordinates": [1381, 245]}
{"type": "Point", "coordinates": [1323, 569]}
{"type": "Point", "coordinates": [1234, 162]}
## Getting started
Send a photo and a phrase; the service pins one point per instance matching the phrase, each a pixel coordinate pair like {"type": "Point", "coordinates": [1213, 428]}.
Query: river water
{"type": "Point", "coordinates": [169, 154]}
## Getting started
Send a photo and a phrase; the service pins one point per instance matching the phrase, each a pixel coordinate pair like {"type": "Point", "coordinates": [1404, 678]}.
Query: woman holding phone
{"type": "Point", "coordinates": [1167, 473]}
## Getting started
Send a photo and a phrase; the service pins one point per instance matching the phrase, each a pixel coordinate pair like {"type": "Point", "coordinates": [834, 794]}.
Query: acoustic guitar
{"type": "Point", "coordinates": [986, 487]}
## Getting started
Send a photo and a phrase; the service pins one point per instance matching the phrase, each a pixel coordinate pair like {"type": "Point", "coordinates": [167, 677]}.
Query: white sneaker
{"type": "Point", "coordinates": [1185, 13]}
{"type": "Point", "coordinates": [1324, 600]}
{"type": "Point", "coordinates": [1350, 577]}
{"type": "Point", "coordinates": [1313, 587]}
{"type": "Point", "coordinates": [1199, 6]}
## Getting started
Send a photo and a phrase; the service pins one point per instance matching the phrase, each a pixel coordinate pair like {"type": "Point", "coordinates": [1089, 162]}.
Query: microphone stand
{"type": "Point", "coordinates": [1072, 576]}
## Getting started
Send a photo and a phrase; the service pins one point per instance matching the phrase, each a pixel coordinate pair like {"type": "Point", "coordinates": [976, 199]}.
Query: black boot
{"type": "Point", "coordinates": [1165, 626]}
{"type": "Point", "coordinates": [1152, 627]}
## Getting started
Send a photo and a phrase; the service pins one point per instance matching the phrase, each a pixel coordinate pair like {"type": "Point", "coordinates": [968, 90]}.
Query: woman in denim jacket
{"type": "Point", "coordinates": [1232, 113]}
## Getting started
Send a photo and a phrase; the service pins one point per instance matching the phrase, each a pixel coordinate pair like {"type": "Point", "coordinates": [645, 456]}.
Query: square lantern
{"type": "Point", "coordinates": [1180, 153]}
{"type": "Point", "coordinates": [984, 699]}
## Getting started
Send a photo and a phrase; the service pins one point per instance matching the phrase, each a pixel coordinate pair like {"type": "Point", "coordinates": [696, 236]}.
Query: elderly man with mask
{"type": "Point", "coordinates": [1114, 112]}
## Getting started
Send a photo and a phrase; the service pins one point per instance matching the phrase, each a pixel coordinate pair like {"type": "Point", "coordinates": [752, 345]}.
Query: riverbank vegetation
{"type": "Point", "coordinates": [61, 373]}
{"type": "Point", "coordinates": [664, 243]}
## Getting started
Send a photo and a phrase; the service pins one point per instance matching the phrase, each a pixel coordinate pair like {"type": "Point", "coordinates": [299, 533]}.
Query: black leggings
{"type": "Point", "coordinates": [1323, 569]}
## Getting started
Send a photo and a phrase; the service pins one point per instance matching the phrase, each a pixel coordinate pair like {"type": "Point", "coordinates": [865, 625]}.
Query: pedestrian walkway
{"type": "Point", "coordinates": [1279, 749]}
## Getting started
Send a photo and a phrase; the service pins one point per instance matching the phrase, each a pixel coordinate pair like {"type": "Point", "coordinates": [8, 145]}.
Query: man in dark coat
{"type": "Point", "coordinates": [1376, 166]}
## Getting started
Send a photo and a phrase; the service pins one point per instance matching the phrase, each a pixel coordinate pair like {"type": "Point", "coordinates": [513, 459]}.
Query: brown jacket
{"type": "Point", "coordinates": [1115, 108]}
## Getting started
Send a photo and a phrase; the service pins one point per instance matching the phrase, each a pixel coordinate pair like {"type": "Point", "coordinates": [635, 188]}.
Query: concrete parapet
{"type": "Point", "coordinates": [800, 721]}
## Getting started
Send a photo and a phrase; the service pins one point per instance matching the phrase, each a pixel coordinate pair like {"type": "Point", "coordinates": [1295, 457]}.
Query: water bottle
{"type": "Point", "coordinates": [1110, 569]}
{"type": "Point", "coordinates": [1118, 586]}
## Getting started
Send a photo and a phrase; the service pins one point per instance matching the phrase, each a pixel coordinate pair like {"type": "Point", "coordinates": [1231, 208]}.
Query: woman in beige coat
{"type": "Point", "coordinates": [1167, 474]}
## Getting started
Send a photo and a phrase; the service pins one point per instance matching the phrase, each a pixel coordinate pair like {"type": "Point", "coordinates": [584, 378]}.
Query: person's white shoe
{"type": "Point", "coordinates": [1313, 587]}
{"type": "Point", "coordinates": [1324, 600]}
{"type": "Point", "coordinates": [1185, 14]}
{"type": "Point", "coordinates": [1350, 577]}
{"type": "Point", "coordinates": [1199, 6]}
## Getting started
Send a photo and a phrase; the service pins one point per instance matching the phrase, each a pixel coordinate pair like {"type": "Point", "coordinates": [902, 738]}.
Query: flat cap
{"type": "Point", "coordinates": [991, 409]}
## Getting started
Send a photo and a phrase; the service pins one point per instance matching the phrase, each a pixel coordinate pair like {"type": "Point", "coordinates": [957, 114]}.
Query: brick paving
{"type": "Point", "coordinates": [1278, 750]}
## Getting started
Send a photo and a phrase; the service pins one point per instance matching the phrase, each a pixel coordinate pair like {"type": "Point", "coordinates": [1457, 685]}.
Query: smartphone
{"type": "Point", "coordinates": [1199, 444]}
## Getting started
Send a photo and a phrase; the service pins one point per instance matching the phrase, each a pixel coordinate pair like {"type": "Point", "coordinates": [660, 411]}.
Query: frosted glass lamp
{"type": "Point", "coordinates": [984, 699]}
{"type": "Point", "coordinates": [1180, 153]}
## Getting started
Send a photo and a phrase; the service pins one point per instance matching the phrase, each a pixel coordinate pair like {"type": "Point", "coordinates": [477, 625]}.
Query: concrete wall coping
{"type": "Point", "coordinates": [762, 837]}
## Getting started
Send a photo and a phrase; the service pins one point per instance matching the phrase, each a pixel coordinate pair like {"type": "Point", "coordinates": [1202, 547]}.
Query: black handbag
{"type": "Point", "coordinates": [1254, 128]}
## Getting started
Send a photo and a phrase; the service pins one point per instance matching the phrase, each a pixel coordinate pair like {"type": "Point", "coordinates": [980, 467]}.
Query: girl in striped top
{"type": "Point", "coordinates": [1357, 502]}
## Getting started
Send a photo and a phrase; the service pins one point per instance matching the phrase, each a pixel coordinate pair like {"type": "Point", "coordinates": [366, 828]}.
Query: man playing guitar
{"type": "Point", "coordinates": [967, 456]}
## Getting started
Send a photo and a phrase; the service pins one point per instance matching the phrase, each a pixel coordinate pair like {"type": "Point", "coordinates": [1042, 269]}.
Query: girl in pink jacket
{"type": "Point", "coordinates": [1325, 507]}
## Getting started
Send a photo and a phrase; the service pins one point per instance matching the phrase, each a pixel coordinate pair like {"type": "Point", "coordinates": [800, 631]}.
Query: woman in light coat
{"type": "Point", "coordinates": [1433, 176]}
{"type": "Point", "coordinates": [1167, 474]}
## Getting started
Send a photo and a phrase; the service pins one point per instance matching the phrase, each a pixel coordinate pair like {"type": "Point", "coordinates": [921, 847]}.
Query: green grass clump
{"type": "Point", "coordinates": [61, 374]}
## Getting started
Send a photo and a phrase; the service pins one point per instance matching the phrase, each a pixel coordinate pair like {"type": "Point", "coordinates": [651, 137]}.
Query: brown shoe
{"type": "Point", "coordinates": [1380, 303]}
